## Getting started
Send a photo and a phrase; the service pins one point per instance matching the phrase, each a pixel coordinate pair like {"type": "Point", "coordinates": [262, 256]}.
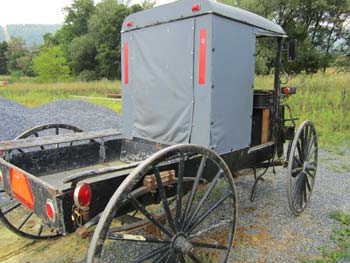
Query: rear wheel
{"type": "Point", "coordinates": [194, 220]}
{"type": "Point", "coordinates": [16, 216]}
{"type": "Point", "coordinates": [302, 166]}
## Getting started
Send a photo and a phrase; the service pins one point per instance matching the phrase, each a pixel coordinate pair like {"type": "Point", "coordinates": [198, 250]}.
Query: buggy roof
{"type": "Point", "coordinates": [182, 9]}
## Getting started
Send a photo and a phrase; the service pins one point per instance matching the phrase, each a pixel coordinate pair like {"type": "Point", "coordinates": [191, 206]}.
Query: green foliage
{"type": "Point", "coordinates": [19, 58]}
{"type": "Point", "coordinates": [90, 36]}
{"type": "Point", "coordinates": [341, 237]}
{"type": "Point", "coordinates": [320, 27]}
{"type": "Point", "coordinates": [77, 17]}
{"type": "Point", "coordinates": [82, 54]}
{"type": "Point", "coordinates": [104, 27]}
{"type": "Point", "coordinates": [3, 59]}
{"type": "Point", "coordinates": [51, 65]}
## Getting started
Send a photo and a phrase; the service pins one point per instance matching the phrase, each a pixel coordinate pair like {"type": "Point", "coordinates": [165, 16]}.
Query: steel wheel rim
{"type": "Point", "coordinates": [175, 236]}
{"type": "Point", "coordinates": [302, 167]}
{"type": "Point", "coordinates": [21, 227]}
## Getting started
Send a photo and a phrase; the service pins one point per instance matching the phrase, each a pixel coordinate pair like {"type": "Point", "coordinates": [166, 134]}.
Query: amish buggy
{"type": "Point", "coordinates": [162, 189]}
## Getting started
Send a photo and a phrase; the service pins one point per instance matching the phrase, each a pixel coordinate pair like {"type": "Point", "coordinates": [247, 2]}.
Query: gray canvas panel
{"type": "Point", "coordinates": [161, 85]}
{"type": "Point", "coordinates": [127, 102]}
{"type": "Point", "coordinates": [202, 92]}
{"type": "Point", "coordinates": [183, 9]}
{"type": "Point", "coordinates": [233, 76]}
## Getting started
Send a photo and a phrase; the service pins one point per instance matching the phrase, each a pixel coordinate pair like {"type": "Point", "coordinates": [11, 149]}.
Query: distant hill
{"type": "Point", "coordinates": [31, 33]}
{"type": "Point", "coordinates": [2, 36]}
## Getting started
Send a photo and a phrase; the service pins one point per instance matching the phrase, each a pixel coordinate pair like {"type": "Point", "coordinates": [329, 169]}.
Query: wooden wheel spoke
{"type": "Point", "coordinates": [308, 183]}
{"type": "Point", "coordinates": [163, 196]}
{"type": "Point", "coordinates": [152, 254]}
{"type": "Point", "coordinates": [304, 189]}
{"type": "Point", "coordinates": [204, 198]}
{"type": "Point", "coordinates": [194, 189]}
{"type": "Point", "coordinates": [298, 161]}
{"type": "Point", "coordinates": [309, 173]}
{"type": "Point", "coordinates": [25, 220]}
{"type": "Point", "coordinates": [40, 229]}
{"type": "Point", "coordinates": [207, 213]}
{"type": "Point", "coordinates": [309, 147]}
{"type": "Point", "coordinates": [300, 152]}
{"type": "Point", "coordinates": [181, 172]}
{"type": "Point", "coordinates": [211, 228]}
{"type": "Point", "coordinates": [209, 245]}
{"type": "Point", "coordinates": [11, 208]}
{"type": "Point", "coordinates": [296, 171]}
{"type": "Point", "coordinates": [137, 238]}
{"type": "Point", "coordinates": [162, 257]}
{"type": "Point", "coordinates": [143, 210]}
{"type": "Point", "coordinates": [194, 257]}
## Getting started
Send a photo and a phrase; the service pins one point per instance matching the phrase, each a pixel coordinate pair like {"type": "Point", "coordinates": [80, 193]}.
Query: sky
{"type": "Point", "coordinates": [36, 11]}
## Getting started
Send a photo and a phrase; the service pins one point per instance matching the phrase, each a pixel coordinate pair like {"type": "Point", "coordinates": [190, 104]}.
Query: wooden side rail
{"type": "Point", "coordinates": [56, 139]}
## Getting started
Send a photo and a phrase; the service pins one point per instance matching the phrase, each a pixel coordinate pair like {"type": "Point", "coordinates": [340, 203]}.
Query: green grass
{"type": "Point", "coordinates": [341, 238]}
{"type": "Point", "coordinates": [323, 99]}
{"type": "Point", "coordinates": [31, 93]}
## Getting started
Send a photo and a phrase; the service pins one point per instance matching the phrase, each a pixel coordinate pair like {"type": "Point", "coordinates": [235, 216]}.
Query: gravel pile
{"type": "Point", "coordinates": [16, 118]}
{"type": "Point", "coordinates": [13, 118]}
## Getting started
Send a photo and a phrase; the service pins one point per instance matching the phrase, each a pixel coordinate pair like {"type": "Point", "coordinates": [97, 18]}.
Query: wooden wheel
{"type": "Point", "coordinates": [302, 166]}
{"type": "Point", "coordinates": [199, 206]}
{"type": "Point", "coordinates": [16, 216]}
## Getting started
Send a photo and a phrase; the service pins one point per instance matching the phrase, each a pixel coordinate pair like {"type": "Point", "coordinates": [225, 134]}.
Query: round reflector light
{"type": "Point", "coordinates": [82, 195]}
{"type": "Point", "coordinates": [286, 90]}
{"type": "Point", "coordinates": [196, 7]}
{"type": "Point", "coordinates": [50, 210]}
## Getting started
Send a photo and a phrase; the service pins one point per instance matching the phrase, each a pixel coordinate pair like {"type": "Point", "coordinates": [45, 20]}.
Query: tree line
{"type": "Point", "coordinates": [87, 46]}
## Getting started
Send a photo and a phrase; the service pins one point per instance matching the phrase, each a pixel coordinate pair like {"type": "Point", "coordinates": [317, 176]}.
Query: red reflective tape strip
{"type": "Point", "coordinates": [126, 63]}
{"type": "Point", "coordinates": [202, 55]}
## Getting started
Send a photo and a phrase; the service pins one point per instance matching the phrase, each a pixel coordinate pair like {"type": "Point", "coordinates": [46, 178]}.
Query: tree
{"type": "Point", "coordinates": [318, 25]}
{"type": "Point", "coordinates": [3, 58]}
{"type": "Point", "coordinates": [16, 49]}
{"type": "Point", "coordinates": [82, 55]}
{"type": "Point", "coordinates": [51, 65]}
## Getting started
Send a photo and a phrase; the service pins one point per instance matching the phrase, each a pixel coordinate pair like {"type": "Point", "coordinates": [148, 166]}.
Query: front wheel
{"type": "Point", "coordinates": [193, 220]}
{"type": "Point", "coordinates": [302, 166]}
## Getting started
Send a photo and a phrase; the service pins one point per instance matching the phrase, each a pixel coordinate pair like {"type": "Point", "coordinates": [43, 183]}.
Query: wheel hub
{"type": "Point", "coordinates": [180, 243]}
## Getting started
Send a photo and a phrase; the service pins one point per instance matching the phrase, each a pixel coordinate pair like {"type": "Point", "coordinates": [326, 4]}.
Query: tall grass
{"type": "Point", "coordinates": [323, 99]}
{"type": "Point", "coordinates": [31, 93]}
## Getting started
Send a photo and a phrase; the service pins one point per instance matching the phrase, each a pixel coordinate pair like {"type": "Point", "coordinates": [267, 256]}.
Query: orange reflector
{"type": "Point", "coordinates": [21, 188]}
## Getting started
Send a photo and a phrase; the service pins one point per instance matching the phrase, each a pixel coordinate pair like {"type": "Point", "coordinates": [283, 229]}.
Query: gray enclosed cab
{"type": "Point", "coordinates": [188, 73]}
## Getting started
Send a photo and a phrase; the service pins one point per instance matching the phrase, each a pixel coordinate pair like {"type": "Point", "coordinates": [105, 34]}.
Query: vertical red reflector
{"type": "Point", "coordinates": [202, 55]}
{"type": "Point", "coordinates": [126, 63]}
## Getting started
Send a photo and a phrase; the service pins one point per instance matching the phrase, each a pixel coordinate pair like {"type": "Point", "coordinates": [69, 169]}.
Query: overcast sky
{"type": "Point", "coordinates": [36, 11]}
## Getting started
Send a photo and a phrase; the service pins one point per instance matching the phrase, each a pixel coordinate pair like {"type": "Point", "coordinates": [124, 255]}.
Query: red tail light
{"type": "Point", "coordinates": [50, 210]}
{"type": "Point", "coordinates": [82, 195]}
{"type": "Point", "coordinates": [129, 24]}
{"type": "Point", "coordinates": [196, 7]}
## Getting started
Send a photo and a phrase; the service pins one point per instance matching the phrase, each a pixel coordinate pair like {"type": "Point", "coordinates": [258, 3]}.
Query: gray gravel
{"type": "Point", "coordinates": [16, 118]}
{"type": "Point", "coordinates": [268, 232]}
